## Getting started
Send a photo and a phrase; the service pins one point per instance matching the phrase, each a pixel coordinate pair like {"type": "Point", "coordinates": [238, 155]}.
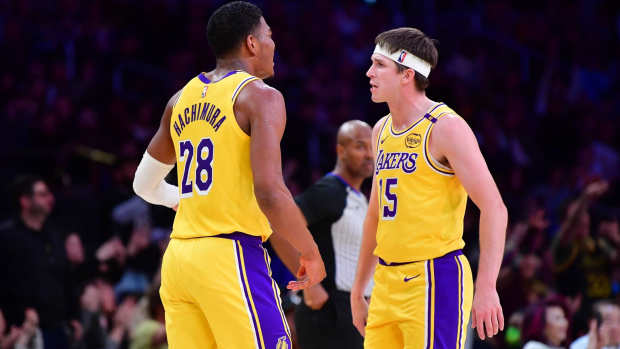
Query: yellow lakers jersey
{"type": "Point", "coordinates": [421, 202]}
{"type": "Point", "coordinates": [213, 161]}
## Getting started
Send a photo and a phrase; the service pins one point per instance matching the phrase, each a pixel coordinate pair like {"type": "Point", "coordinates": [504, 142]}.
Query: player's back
{"type": "Point", "coordinates": [421, 202]}
{"type": "Point", "coordinates": [213, 161]}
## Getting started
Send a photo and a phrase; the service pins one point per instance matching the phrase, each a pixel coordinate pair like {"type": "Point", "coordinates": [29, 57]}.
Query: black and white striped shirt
{"type": "Point", "coordinates": [335, 214]}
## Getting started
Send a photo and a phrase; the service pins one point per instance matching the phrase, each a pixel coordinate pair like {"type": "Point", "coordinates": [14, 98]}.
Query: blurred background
{"type": "Point", "coordinates": [83, 85]}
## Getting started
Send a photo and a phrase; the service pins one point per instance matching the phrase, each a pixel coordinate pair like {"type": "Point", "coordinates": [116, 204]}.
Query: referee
{"type": "Point", "coordinates": [334, 209]}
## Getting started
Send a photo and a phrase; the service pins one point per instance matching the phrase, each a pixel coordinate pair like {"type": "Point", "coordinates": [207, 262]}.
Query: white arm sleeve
{"type": "Point", "coordinates": [150, 185]}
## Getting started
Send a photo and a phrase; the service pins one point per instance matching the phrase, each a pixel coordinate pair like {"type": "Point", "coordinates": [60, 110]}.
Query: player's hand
{"type": "Point", "coordinates": [175, 207]}
{"type": "Point", "coordinates": [359, 312]}
{"type": "Point", "coordinates": [486, 312]}
{"type": "Point", "coordinates": [311, 272]}
{"type": "Point", "coordinates": [315, 297]}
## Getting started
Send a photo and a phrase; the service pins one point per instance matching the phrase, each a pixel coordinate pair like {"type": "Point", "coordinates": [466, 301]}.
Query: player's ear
{"type": "Point", "coordinates": [408, 75]}
{"type": "Point", "coordinates": [251, 43]}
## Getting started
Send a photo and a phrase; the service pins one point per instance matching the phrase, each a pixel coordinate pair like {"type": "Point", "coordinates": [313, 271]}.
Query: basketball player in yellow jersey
{"type": "Point", "coordinates": [427, 162]}
{"type": "Point", "coordinates": [223, 131]}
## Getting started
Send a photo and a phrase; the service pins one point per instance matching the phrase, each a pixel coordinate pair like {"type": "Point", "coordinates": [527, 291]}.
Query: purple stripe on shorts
{"type": "Point", "coordinates": [460, 330]}
{"type": "Point", "coordinates": [267, 307]}
{"type": "Point", "coordinates": [245, 293]}
{"type": "Point", "coordinates": [447, 319]}
{"type": "Point", "coordinates": [429, 306]}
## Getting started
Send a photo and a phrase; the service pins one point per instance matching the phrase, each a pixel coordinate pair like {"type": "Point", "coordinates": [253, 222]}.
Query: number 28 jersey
{"type": "Point", "coordinates": [213, 161]}
{"type": "Point", "coordinates": [421, 202]}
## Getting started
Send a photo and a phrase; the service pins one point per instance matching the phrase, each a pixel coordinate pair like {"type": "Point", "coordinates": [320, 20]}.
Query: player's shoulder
{"type": "Point", "coordinates": [174, 99]}
{"type": "Point", "coordinates": [259, 89]}
{"type": "Point", "coordinates": [450, 123]}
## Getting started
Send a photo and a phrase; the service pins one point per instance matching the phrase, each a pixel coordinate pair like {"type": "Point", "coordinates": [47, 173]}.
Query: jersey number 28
{"type": "Point", "coordinates": [203, 176]}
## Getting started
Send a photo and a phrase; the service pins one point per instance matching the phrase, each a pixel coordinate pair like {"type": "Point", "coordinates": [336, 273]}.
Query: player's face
{"type": "Point", "coordinates": [384, 78]}
{"type": "Point", "coordinates": [357, 154]}
{"type": "Point", "coordinates": [266, 50]}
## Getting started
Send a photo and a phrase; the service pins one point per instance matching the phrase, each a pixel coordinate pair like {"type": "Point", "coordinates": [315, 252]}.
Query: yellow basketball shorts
{"type": "Point", "coordinates": [218, 293]}
{"type": "Point", "coordinates": [421, 305]}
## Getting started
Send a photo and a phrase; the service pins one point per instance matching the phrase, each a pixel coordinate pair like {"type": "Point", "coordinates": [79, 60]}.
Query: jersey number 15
{"type": "Point", "coordinates": [388, 211]}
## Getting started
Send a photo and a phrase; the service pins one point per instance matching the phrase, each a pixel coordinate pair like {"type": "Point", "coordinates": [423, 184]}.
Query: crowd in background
{"type": "Point", "coordinates": [83, 85]}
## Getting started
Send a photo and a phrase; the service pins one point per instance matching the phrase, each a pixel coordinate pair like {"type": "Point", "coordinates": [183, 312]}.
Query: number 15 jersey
{"type": "Point", "coordinates": [213, 161]}
{"type": "Point", "coordinates": [421, 202]}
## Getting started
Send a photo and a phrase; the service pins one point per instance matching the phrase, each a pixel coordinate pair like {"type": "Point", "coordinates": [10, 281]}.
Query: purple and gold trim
{"type": "Point", "coordinates": [428, 114]}
{"type": "Point", "coordinates": [444, 318]}
{"type": "Point", "coordinates": [260, 292]}
{"type": "Point", "coordinates": [428, 158]}
{"type": "Point", "coordinates": [240, 86]}
{"type": "Point", "coordinates": [381, 132]}
{"type": "Point", "coordinates": [206, 80]}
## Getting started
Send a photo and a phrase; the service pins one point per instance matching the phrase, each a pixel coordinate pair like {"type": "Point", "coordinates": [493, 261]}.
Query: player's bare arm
{"type": "Point", "coordinates": [453, 141]}
{"type": "Point", "coordinates": [161, 147]}
{"type": "Point", "coordinates": [260, 110]}
{"type": "Point", "coordinates": [366, 262]}
{"type": "Point", "coordinates": [285, 251]}
{"type": "Point", "coordinates": [156, 163]}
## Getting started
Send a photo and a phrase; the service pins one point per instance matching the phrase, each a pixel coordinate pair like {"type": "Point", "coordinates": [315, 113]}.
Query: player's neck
{"type": "Point", "coordinates": [225, 65]}
{"type": "Point", "coordinates": [353, 181]}
{"type": "Point", "coordinates": [407, 108]}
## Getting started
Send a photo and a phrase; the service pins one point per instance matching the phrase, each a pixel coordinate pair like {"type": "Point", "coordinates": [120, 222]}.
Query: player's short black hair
{"type": "Point", "coordinates": [414, 41]}
{"type": "Point", "coordinates": [230, 24]}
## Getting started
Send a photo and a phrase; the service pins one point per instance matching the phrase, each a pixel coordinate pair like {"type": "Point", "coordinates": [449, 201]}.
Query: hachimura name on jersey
{"type": "Point", "coordinates": [213, 161]}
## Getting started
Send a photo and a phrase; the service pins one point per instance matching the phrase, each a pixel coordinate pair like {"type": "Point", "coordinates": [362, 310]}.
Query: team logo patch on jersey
{"type": "Point", "coordinates": [282, 343]}
{"type": "Point", "coordinates": [204, 92]}
{"type": "Point", "coordinates": [413, 140]}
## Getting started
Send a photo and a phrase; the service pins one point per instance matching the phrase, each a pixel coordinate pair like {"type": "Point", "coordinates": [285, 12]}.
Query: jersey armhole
{"type": "Point", "coordinates": [380, 134]}
{"type": "Point", "coordinates": [235, 94]}
{"type": "Point", "coordinates": [428, 157]}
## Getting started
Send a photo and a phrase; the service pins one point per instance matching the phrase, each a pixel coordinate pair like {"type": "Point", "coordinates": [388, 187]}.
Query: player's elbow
{"type": "Point", "coordinates": [138, 187]}
{"type": "Point", "coordinates": [495, 208]}
{"type": "Point", "coordinates": [267, 194]}
{"type": "Point", "coordinates": [498, 209]}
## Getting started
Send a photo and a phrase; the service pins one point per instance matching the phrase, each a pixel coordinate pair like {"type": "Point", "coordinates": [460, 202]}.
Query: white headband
{"type": "Point", "coordinates": [407, 59]}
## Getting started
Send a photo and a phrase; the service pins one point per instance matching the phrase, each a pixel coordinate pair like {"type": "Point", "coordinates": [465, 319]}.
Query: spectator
{"type": "Point", "coordinates": [28, 336]}
{"type": "Point", "coordinates": [604, 327]}
{"type": "Point", "coordinates": [34, 252]}
{"type": "Point", "coordinates": [579, 259]}
{"type": "Point", "coordinates": [545, 326]}
{"type": "Point", "coordinates": [151, 332]}
{"type": "Point", "coordinates": [94, 329]}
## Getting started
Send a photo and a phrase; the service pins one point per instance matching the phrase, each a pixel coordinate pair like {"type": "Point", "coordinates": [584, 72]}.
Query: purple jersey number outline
{"type": "Point", "coordinates": [204, 166]}
{"type": "Point", "coordinates": [390, 198]}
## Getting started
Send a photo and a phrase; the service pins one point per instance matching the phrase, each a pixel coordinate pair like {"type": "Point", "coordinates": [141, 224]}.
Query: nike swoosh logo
{"type": "Point", "coordinates": [411, 278]}
{"type": "Point", "coordinates": [383, 140]}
